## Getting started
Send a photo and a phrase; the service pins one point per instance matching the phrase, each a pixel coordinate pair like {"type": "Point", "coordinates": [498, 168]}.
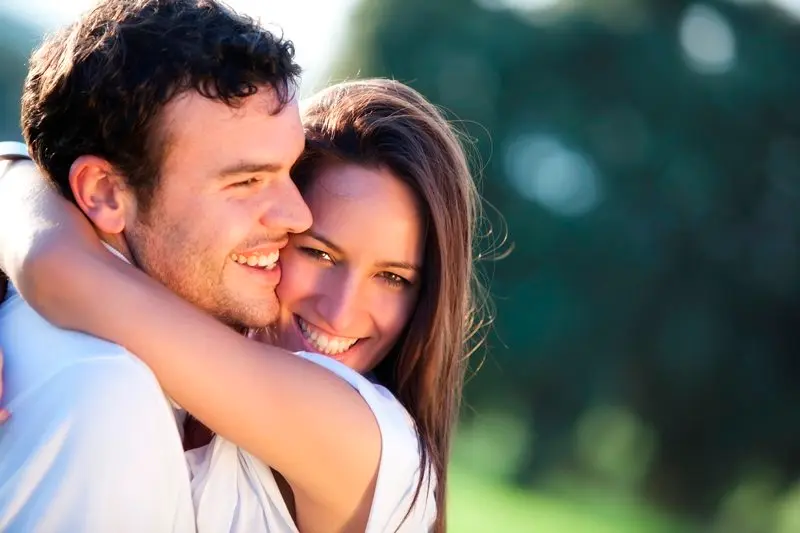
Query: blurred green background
{"type": "Point", "coordinates": [642, 161]}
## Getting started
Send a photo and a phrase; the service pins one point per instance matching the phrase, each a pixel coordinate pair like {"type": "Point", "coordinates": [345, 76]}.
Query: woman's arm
{"type": "Point", "coordinates": [295, 416]}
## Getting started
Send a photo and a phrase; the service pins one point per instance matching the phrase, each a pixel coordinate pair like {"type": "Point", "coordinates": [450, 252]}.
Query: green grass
{"type": "Point", "coordinates": [480, 506]}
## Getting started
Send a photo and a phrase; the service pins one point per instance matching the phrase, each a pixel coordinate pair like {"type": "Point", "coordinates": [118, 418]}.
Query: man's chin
{"type": "Point", "coordinates": [250, 315]}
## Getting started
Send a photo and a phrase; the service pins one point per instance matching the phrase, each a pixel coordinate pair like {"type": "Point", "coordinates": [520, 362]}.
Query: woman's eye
{"type": "Point", "coordinates": [319, 255]}
{"type": "Point", "coordinates": [393, 280]}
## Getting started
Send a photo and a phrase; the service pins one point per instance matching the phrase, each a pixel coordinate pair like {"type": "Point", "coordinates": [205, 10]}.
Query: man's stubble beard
{"type": "Point", "coordinates": [183, 275]}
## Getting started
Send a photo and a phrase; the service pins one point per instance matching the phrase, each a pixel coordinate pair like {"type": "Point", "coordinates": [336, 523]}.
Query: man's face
{"type": "Point", "coordinates": [224, 206]}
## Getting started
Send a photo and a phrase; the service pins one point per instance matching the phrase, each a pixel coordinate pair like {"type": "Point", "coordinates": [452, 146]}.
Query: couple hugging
{"type": "Point", "coordinates": [197, 339]}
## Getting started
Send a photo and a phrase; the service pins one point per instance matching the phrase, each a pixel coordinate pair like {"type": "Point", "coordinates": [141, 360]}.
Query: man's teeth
{"type": "Point", "coordinates": [267, 262]}
{"type": "Point", "coordinates": [325, 344]}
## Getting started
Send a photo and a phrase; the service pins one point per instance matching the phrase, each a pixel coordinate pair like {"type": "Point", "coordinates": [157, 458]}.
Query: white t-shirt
{"type": "Point", "coordinates": [92, 446]}
{"type": "Point", "coordinates": [236, 493]}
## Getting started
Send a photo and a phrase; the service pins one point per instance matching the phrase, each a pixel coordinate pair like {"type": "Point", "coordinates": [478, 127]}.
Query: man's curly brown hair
{"type": "Point", "coordinates": [98, 86]}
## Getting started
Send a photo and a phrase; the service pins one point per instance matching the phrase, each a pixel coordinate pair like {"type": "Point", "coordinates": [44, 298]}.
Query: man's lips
{"type": "Point", "coordinates": [266, 261]}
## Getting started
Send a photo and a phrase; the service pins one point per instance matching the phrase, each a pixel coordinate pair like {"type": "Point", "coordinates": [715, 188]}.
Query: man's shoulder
{"type": "Point", "coordinates": [94, 402]}
{"type": "Point", "coordinates": [101, 387]}
{"type": "Point", "coordinates": [43, 360]}
{"type": "Point", "coordinates": [118, 371]}
{"type": "Point", "coordinates": [90, 403]}
{"type": "Point", "coordinates": [24, 330]}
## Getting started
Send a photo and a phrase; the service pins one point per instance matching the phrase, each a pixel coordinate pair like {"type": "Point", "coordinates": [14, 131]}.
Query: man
{"type": "Point", "coordinates": [172, 124]}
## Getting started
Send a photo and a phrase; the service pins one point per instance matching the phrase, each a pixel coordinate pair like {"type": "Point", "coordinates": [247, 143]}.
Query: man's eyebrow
{"type": "Point", "coordinates": [247, 167]}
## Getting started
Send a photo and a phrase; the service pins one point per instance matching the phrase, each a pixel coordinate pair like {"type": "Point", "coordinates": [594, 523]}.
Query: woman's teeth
{"type": "Point", "coordinates": [324, 343]}
{"type": "Point", "coordinates": [267, 262]}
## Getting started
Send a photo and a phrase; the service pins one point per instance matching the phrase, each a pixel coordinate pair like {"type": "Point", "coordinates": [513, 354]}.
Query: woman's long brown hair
{"type": "Point", "coordinates": [386, 124]}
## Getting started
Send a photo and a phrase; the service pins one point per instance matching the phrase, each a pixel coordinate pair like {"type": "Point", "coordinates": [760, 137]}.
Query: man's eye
{"type": "Point", "coordinates": [246, 183]}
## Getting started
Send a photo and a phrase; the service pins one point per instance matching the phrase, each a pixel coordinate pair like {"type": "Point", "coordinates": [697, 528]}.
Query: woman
{"type": "Point", "coordinates": [394, 206]}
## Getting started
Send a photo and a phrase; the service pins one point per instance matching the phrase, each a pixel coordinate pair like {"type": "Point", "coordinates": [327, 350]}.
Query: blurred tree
{"type": "Point", "coordinates": [645, 155]}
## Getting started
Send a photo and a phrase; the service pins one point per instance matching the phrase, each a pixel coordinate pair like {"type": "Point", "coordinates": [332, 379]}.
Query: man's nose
{"type": "Point", "coordinates": [288, 210]}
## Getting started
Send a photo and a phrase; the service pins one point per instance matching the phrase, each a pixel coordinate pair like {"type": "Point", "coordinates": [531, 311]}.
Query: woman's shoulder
{"type": "Point", "coordinates": [396, 502]}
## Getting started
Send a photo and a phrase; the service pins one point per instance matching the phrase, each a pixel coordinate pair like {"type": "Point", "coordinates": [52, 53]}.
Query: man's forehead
{"type": "Point", "coordinates": [274, 102]}
{"type": "Point", "coordinates": [195, 107]}
{"type": "Point", "coordinates": [194, 115]}
{"type": "Point", "coordinates": [200, 130]}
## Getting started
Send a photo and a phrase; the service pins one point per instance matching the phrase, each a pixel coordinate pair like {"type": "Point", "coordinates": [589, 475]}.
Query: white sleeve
{"type": "Point", "coordinates": [394, 507]}
{"type": "Point", "coordinates": [95, 449]}
{"type": "Point", "coordinates": [399, 472]}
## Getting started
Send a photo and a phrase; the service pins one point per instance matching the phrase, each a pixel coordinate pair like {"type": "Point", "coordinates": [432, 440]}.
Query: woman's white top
{"type": "Point", "coordinates": [234, 492]}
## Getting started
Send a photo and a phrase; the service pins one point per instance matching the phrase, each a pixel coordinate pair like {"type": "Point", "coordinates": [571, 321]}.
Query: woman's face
{"type": "Point", "coordinates": [350, 283]}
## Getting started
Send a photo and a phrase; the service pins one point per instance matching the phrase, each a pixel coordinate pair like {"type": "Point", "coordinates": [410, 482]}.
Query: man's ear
{"type": "Point", "coordinates": [100, 192]}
